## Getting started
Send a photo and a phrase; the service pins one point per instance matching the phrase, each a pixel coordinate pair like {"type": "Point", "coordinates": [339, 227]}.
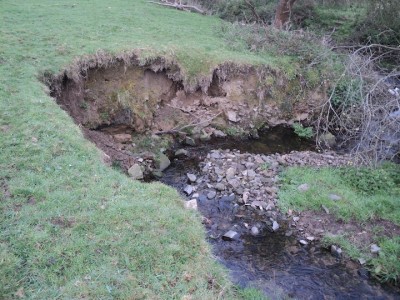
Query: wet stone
{"type": "Point", "coordinates": [230, 235]}
{"type": "Point", "coordinates": [255, 231]}
{"type": "Point", "coordinates": [336, 251]}
{"type": "Point", "coordinates": [188, 190]}
{"type": "Point", "coordinates": [202, 199]}
{"type": "Point", "coordinates": [275, 226]}
{"type": "Point", "coordinates": [181, 152]}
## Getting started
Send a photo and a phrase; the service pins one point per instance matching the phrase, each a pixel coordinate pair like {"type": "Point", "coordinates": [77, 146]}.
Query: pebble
{"type": "Point", "coordinates": [218, 134]}
{"type": "Point", "coordinates": [181, 152]}
{"type": "Point", "coordinates": [303, 242]}
{"type": "Point", "coordinates": [230, 173]}
{"type": "Point", "coordinates": [230, 235]}
{"type": "Point", "coordinates": [255, 230]}
{"type": "Point", "coordinates": [336, 251]}
{"type": "Point", "coordinates": [220, 186]}
{"type": "Point", "coordinates": [211, 194]}
{"type": "Point", "coordinates": [191, 177]}
{"type": "Point", "coordinates": [275, 226]}
{"type": "Point", "coordinates": [188, 190]}
{"type": "Point", "coordinates": [303, 187]}
{"type": "Point", "coordinates": [375, 248]}
{"type": "Point", "coordinates": [334, 197]}
{"type": "Point", "coordinates": [189, 141]}
{"type": "Point", "coordinates": [296, 219]}
{"type": "Point", "coordinates": [325, 209]}
{"type": "Point", "coordinates": [362, 261]}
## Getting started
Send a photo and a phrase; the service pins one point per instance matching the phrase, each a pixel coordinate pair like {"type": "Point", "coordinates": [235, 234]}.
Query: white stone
{"type": "Point", "coordinates": [303, 187]}
{"type": "Point", "coordinates": [191, 177]}
{"type": "Point", "coordinates": [192, 204]}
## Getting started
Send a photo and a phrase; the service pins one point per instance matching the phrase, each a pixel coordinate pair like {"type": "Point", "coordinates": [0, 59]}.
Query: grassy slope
{"type": "Point", "coordinates": [74, 228]}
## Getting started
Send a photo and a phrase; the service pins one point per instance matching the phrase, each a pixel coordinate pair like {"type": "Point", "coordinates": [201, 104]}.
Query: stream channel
{"type": "Point", "coordinates": [273, 261]}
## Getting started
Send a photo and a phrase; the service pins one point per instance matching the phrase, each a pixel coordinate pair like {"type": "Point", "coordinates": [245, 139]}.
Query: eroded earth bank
{"type": "Point", "coordinates": [222, 141]}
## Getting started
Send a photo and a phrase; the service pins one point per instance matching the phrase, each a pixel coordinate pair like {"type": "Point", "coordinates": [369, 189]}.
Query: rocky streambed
{"type": "Point", "coordinates": [280, 253]}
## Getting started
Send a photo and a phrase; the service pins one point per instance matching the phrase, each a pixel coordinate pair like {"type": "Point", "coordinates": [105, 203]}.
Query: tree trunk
{"type": "Point", "coordinates": [283, 12]}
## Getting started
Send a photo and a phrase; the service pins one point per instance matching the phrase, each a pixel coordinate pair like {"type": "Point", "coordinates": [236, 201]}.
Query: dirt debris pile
{"type": "Point", "coordinates": [113, 97]}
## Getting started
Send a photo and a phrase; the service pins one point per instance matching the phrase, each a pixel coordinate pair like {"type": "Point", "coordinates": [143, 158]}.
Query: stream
{"type": "Point", "coordinates": [271, 260]}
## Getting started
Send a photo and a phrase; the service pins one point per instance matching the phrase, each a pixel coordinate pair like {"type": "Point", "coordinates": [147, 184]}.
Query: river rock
{"type": "Point", "coordinates": [334, 197]}
{"type": "Point", "coordinates": [303, 187]}
{"type": "Point", "coordinates": [375, 248]}
{"type": "Point", "coordinates": [189, 141]}
{"type": "Point", "coordinates": [251, 173]}
{"type": "Point", "coordinates": [275, 226]}
{"type": "Point", "coordinates": [232, 116]}
{"type": "Point", "coordinates": [255, 231]}
{"type": "Point", "coordinates": [362, 261]}
{"type": "Point", "coordinates": [157, 173]}
{"type": "Point", "coordinates": [245, 197]}
{"type": "Point", "coordinates": [230, 173]}
{"type": "Point", "coordinates": [220, 186]}
{"type": "Point", "coordinates": [202, 199]}
{"type": "Point", "coordinates": [336, 251]}
{"type": "Point", "coordinates": [191, 204]}
{"type": "Point", "coordinates": [204, 137]}
{"type": "Point", "coordinates": [234, 183]}
{"type": "Point", "coordinates": [123, 138]}
{"type": "Point", "coordinates": [191, 177]}
{"type": "Point", "coordinates": [164, 162]}
{"type": "Point", "coordinates": [215, 155]}
{"type": "Point", "coordinates": [211, 194]}
{"type": "Point", "coordinates": [188, 190]}
{"type": "Point", "coordinates": [136, 172]}
{"type": "Point", "coordinates": [219, 134]}
{"type": "Point", "coordinates": [325, 209]}
{"type": "Point", "coordinates": [181, 152]}
{"type": "Point", "coordinates": [230, 235]}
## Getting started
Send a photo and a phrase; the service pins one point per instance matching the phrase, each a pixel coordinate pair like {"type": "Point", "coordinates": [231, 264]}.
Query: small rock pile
{"type": "Point", "coordinates": [251, 178]}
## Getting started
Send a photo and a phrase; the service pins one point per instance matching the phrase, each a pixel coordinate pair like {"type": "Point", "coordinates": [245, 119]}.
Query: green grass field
{"type": "Point", "coordinates": [72, 228]}
{"type": "Point", "coordinates": [367, 195]}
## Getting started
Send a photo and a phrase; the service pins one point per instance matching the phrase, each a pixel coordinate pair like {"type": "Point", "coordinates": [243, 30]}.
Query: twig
{"type": "Point", "coordinates": [178, 6]}
{"type": "Point", "coordinates": [179, 130]}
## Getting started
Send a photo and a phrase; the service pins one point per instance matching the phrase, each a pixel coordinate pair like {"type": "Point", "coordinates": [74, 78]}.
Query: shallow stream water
{"type": "Point", "coordinates": [272, 261]}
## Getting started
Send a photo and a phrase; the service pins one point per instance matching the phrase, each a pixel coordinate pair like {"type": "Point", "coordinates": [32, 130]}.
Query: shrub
{"type": "Point", "coordinates": [303, 132]}
{"type": "Point", "coordinates": [370, 181]}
